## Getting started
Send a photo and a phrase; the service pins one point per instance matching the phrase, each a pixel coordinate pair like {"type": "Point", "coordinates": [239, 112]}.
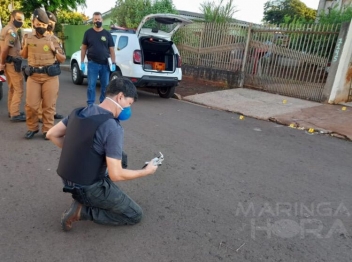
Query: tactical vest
{"type": "Point", "coordinates": [39, 51]}
{"type": "Point", "coordinates": [79, 162]}
{"type": "Point", "coordinates": [15, 50]}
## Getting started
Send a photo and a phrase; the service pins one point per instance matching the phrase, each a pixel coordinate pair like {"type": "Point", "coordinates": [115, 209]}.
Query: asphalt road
{"type": "Point", "coordinates": [229, 190]}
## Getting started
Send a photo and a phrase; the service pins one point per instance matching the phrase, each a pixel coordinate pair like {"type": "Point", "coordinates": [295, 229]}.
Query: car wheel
{"type": "Point", "coordinates": [76, 74]}
{"type": "Point", "coordinates": [115, 75]}
{"type": "Point", "coordinates": [166, 91]}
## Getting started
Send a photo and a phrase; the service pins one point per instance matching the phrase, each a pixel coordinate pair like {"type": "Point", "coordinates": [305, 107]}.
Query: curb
{"type": "Point", "coordinates": [316, 130]}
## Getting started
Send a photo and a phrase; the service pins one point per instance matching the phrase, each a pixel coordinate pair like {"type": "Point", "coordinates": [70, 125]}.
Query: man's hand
{"type": "Point", "coordinates": [113, 67]}
{"type": "Point", "coordinates": [150, 168]}
{"type": "Point", "coordinates": [83, 66]}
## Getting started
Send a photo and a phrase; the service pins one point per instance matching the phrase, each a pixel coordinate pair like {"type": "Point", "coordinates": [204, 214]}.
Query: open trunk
{"type": "Point", "coordinates": [158, 54]}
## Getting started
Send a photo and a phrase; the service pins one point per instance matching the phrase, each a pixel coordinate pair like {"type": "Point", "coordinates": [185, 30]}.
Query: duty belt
{"type": "Point", "coordinates": [39, 70]}
{"type": "Point", "coordinates": [10, 59]}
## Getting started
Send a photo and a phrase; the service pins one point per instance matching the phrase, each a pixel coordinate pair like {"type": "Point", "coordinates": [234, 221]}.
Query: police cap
{"type": "Point", "coordinates": [51, 16]}
{"type": "Point", "coordinates": [41, 15]}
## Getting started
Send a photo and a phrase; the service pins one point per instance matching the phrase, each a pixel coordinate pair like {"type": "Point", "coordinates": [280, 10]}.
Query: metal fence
{"type": "Point", "coordinates": [292, 60]}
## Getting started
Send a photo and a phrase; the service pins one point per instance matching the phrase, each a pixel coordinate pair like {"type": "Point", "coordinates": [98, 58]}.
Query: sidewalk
{"type": "Point", "coordinates": [335, 120]}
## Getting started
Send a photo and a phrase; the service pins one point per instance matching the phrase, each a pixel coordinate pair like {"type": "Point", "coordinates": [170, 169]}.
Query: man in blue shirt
{"type": "Point", "coordinates": [91, 139]}
{"type": "Point", "coordinates": [98, 45]}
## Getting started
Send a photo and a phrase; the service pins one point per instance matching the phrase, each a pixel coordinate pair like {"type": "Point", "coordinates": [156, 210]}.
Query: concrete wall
{"type": "Point", "coordinates": [229, 78]}
{"type": "Point", "coordinates": [326, 5]}
{"type": "Point", "coordinates": [339, 80]}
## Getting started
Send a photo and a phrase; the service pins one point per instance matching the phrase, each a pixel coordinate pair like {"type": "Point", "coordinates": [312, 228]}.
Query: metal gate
{"type": "Point", "coordinates": [292, 61]}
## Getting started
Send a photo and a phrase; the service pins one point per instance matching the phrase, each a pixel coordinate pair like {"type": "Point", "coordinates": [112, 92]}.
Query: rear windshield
{"type": "Point", "coordinates": [161, 24]}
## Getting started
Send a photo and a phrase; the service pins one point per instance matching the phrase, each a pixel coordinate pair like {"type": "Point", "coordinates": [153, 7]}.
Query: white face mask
{"type": "Point", "coordinates": [118, 105]}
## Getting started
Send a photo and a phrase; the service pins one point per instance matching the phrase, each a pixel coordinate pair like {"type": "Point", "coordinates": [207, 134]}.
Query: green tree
{"type": "Point", "coordinates": [70, 18]}
{"type": "Point", "coordinates": [129, 13]}
{"type": "Point", "coordinates": [5, 12]}
{"type": "Point", "coordinates": [335, 16]}
{"type": "Point", "coordinates": [50, 5]}
{"type": "Point", "coordinates": [286, 11]}
{"type": "Point", "coordinates": [218, 11]}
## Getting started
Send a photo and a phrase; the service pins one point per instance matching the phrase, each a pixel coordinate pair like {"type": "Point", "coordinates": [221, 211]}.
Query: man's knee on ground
{"type": "Point", "coordinates": [137, 217]}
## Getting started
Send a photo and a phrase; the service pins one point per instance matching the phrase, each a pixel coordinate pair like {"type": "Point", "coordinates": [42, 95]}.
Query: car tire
{"type": "Point", "coordinates": [1, 91]}
{"type": "Point", "coordinates": [115, 74]}
{"type": "Point", "coordinates": [166, 91]}
{"type": "Point", "coordinates": [77, 77]}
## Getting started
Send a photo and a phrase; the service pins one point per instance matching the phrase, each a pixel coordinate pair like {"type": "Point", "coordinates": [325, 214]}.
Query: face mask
{"type": "Point", "coordinates": [50, 28]}
{"type": "Point", "coordinates": [125, 113]}
{"type": "Point", "coordinates": [98, 24]}
{"type": "Point", "coordinates": [17, 24]}
{"type": "Point", "coordinates": [40, 30]}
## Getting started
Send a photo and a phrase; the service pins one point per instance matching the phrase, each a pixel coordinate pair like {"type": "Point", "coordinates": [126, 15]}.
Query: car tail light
{"type": "Point", "coordinates": [179, 61]}
{"type": "Point", "coordinates": [137, 56]}
{"type": "Point", "coordinates": [2, 78]}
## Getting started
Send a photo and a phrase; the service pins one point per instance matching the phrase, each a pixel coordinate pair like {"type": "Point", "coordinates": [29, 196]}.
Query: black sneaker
{"type": "Point", "coordinates": [19, 118]}
{"type": "Point", "coordinates": [58, 116]}
{"type": "Point", "coordinates": [21, 113]}
{"type": "Point", "coordinates": [44, 136]}
{"type": "Point", "coordinates": [70, 216]}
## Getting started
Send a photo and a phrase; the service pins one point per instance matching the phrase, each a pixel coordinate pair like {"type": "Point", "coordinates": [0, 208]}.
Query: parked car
{"type": "Point", "coordinates": [146, 55]}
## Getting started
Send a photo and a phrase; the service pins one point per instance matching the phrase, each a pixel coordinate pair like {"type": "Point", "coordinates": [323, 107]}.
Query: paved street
{"type": "Point", "coordinates": [229, 190]}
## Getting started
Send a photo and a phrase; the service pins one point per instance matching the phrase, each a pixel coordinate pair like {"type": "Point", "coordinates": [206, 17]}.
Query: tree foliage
{"type": "Point", "coordinates": [129, 13]}
{"type": "Point", "coordinates": [286, 11]}
{"type": "Point", "coordinates": [218, 11]}
{"type": "Point", "coordinates": [5, 12]}
{"type": "Point", "coordinates": [335, 16]}
{"type": "Point", "coordinates": [50, 5]}
{"type": "Point", "coordinates": [61, 8]}
{"type": "Point", "coordinates": [70, 18]}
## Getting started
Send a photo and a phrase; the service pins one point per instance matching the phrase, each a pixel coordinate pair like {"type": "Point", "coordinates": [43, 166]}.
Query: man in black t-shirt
{"type": "Point", "coordinates": [98, 44]}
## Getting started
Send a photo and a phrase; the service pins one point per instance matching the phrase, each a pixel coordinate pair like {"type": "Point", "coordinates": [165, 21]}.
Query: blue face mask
{"type": "Point", "coordinates": [125, 113]}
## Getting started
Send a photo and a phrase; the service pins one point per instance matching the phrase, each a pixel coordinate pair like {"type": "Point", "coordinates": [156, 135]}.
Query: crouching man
{"type": "Point", "coordinates": [91, 139]}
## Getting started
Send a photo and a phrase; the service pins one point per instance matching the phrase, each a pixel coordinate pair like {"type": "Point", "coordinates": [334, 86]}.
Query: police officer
{"type": "Point", "coordinates": [11, 63]}
{"type": "Point", "coordinates": [50, 31]}
{"type": "Point", "coordinates": [42, 51]}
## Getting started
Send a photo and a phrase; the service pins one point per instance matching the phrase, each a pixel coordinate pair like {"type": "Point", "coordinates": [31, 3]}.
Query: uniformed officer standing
{"type": "Point", "coordinates": [11, 63]}
{"type": "Point", "coordinates": [43, 52]}
{"type": "Point", "coordinates": [50, 31]}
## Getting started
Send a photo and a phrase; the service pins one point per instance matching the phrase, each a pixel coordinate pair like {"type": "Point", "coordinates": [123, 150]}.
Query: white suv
{"type": "Point", "coordinates": [147, 55]}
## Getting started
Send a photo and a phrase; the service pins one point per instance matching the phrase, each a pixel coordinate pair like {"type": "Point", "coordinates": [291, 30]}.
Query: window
{"type": "Point", "coordinates": [123, 41]}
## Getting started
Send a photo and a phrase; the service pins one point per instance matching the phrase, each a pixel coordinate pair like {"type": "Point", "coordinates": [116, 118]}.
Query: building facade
{"type": "Point", "coordinates": [327, 5]}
